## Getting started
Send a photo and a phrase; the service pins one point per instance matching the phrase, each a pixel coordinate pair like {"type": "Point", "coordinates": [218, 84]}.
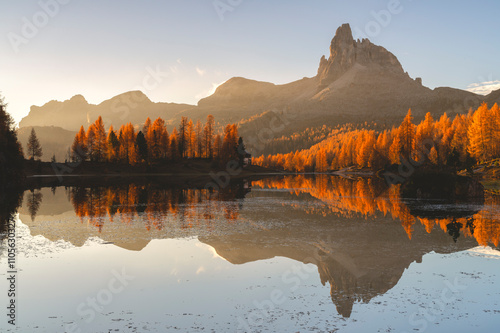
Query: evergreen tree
{"type": "Point", "coordinates": [142, 147]}
{"type": "Point", "coordinates": [113, 146]}
{"type": "Point", "coordinates": [241, 151]}
{"type": "Point", "coordinates": [11, 153]}
{"type": "Point", "coordinates": [34, 148]}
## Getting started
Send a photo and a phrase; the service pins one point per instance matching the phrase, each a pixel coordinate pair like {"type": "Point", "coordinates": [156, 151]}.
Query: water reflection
{"type": "Point", "coordinates": [360, 234]}
{"type": "Point", "coordinates": [155, 203]}
{"type": "Point", "coordinates": [33, 200]}
{"type": "Point", "coordinates": [369, 197]}
{"type": "Point", "coordinates": [9, 202]}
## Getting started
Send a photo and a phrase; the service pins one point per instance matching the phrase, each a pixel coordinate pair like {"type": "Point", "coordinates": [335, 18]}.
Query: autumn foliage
{"type": "Point", "coordinates": [364, 197]}
{"type": "Point", "coordinates": [153, 143]}
{"type": "Point", "coordinates": [152, 205]}
{"type": "Point", "coordinates": [458, 143]}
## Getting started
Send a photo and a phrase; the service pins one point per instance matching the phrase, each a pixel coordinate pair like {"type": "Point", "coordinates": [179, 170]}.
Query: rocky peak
{"type": "Point", "coordinates": [345, 52]}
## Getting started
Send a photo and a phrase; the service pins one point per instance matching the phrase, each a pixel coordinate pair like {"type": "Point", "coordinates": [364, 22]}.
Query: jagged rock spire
{"type": "Point", "coordinates": [345, 52]}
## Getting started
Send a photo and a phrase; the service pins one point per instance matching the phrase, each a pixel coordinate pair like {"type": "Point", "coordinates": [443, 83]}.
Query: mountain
{"type": "Point", "coordinates": [132, 106]}
{"type": "Point", "coordinates": [359, 82]}
{"type": "Point", "coordinates": [493, 97]}
{"type": "Point", "coordinates": [54, 141]}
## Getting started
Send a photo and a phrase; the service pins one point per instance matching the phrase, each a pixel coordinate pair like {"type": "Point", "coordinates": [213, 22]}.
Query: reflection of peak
{"type": "Point", "coordinates": [348, 286]}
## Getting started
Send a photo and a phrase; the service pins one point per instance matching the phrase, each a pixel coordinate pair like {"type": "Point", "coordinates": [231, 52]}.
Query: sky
{"type": "Point", "coordinates": [180, 51]}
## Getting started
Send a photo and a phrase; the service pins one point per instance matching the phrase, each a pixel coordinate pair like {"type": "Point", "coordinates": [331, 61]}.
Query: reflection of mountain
{"type": "Point", "coordinates": [350, 229]}
{"type": "Point", "coordinates": [129, 215]}
{"type": "Point", "coordinates": [359, 258]}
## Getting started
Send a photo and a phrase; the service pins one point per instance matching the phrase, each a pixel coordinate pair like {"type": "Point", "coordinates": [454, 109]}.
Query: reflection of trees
{"type": "Point", "coordinates": [34, 200]}
{"type": "Point", "coordinates": [370, 197]}
{"type": "Point", "coordinates": [98, 204]}
{"type": "Point", "coordinates": [10, 201]}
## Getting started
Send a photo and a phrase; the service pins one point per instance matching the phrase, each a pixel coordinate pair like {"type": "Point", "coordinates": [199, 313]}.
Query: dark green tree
{"type": "Point", "coordinates": [34, 147]}
{"type": "Point", "coordinates": [142, 146]}
{"type": "Point", "coordinates": [241, 151]}
{"type": "Point", "coordinates": [11, 153]}
{"type": "Point", "coordinates": [113, 147]}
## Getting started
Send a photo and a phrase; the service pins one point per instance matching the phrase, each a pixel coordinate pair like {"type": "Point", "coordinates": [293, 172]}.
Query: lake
{"type": "Point", "coordinates": [289, 253]}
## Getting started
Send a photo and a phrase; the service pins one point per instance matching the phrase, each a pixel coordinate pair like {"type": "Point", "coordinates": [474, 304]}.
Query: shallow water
{"type": "Point", "coordinates": [289, 254]}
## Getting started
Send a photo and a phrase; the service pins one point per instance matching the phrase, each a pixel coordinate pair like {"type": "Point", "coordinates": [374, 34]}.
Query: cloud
{"type": "Point", "coordinates": [200, 71]}
{"type": "Point", "coordinates": [484, 88]}
{"type": "Point", "coordinates": [209, 92]}
{"type": "Point", "coordinates": [200, 270]}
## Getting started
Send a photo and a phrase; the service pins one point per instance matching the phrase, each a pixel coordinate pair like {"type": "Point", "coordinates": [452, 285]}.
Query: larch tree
{"type": "Point", "coordinates": [182, 137]}
{"type": "Point", "coordinates": [100, 148]}
{"type": "Point", "coordinates": [460, 142]}
{"type": "Point", "coordinates": [480, 134]}
{"type": "Point", "coordinates": [198, 129]}
{"type": "Point", "coordinates": [91, 143]}
{"type": "Point", "coordinates": [79, 147]}
{"type": "Point", "coordinates": [208, 133]}
{"type": "Point", "coordinates": [321, 161]}
{"type": "Point", "coordinates": [230, 143]}
{"type": "Point", "coordinates": [495, 120]}
{"type": "Point", "coordinates": [145, 127]}
{"type": "Point", "coordinates": [217, 150]}
{"type": "Point", "coordinates": [190, 139]}
{"type": "Point", "coordinates": [155, 139]}
{"type": "Point", "coordinates": [407, 135]}
{"type": "Point", "coordinates": [174, 152]}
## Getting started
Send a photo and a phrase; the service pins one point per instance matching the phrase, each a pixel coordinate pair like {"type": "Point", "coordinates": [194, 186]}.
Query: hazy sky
{"type": "Point", "coordinates": [178, 51]}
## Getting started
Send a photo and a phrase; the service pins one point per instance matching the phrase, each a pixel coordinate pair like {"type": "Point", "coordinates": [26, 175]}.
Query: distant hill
{"type": "Point", "coordinates": [493, 97]}
{"type": "Point", "coordinates": [132, 106]}
{"type": "Point", "coordinates": [359, 82]}
{"type": "Point", "coordinates": [54, 140]}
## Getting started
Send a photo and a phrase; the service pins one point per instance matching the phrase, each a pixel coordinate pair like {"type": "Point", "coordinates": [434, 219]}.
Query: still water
{"type": "Point", "coordinates": [283, 254]}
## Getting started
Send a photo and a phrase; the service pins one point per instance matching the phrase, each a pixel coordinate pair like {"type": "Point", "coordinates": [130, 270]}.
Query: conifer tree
{"type": "Point", "coordinates": [34, 147]}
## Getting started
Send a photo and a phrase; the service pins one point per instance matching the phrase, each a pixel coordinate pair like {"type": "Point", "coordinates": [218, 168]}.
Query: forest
{"type": "Point", "coordinates": [457, 143]}
{"type": "Point", "coordinates": [153, 143]}
{"type": "Point", "coordinates": [11, 152]}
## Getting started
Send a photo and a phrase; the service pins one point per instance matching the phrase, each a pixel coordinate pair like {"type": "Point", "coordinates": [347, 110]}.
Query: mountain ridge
{"type": "Point", "coordinates": [359, 82]}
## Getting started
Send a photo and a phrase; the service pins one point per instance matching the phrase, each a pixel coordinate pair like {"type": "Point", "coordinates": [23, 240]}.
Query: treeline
{"type": "Point", "coordinates": [459, 143]}
{"type": "Point", "coordinates": [296, 141]}
{"type": "Point", "coordinates": [153, 143]}
{"type": "Point", "coordinates": [307, 138]}
{"type": "Point", "coordinates": [11, 152]}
